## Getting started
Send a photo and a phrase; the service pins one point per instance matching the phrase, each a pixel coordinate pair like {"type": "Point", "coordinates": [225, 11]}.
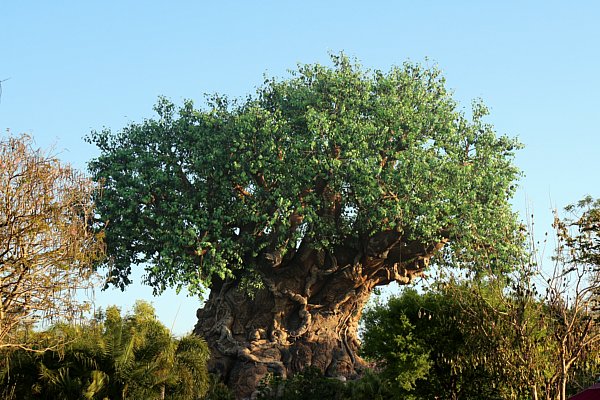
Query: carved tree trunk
{"type": "Point", "coordinates": [308, 313]}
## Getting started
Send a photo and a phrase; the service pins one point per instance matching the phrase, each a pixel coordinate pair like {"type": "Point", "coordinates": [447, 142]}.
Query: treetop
{"type": "Point", "coordinates": [328, 157]}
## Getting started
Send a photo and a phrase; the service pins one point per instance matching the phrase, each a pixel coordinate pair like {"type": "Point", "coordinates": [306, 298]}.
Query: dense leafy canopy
{"type": "Point", "coordinates": [330, 156]}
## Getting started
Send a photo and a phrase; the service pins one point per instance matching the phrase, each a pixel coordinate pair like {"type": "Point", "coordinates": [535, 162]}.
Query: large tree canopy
{"type": "Point", "coordinates": [331, 156]}
{"type": "Point", "coordinates": [293, 204]}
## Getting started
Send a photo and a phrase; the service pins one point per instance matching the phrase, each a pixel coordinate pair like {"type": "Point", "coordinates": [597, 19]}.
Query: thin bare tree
{"type": "Point", "coordinates": [47, 247]}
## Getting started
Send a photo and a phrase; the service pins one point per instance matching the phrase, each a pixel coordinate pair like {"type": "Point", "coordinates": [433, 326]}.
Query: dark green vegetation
{"type": "Point", "coordinates": [497, 337]}
{"type": "Point", "coordinates": [110, 357]}
{"type": "Point", "coordinates": [311, 384]}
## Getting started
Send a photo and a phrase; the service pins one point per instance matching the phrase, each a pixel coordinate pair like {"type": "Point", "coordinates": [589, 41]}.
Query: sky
{"type": "Point", "coordinates": [70, 67]}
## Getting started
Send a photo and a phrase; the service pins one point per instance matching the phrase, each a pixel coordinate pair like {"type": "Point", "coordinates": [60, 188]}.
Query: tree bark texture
{"type": "Point", "coordinates": [308, 312]}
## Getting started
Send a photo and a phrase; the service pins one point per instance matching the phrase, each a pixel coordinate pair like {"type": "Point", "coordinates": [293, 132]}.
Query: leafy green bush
{"type": "Point", "coordinates": [310, 384]}
{"type": "Point", "coordinates": [422, 349]}
{"type": "Point", "coordinates": [217, 390]}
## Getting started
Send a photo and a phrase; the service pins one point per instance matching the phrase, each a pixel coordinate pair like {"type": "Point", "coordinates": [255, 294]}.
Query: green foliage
{"type": "Point", "coordinates": [310, 384]}
{"type": "Point", "coordinates": [390, 336]}
{"type": "Point", "coordinates": [372, 386]}
{"type": "Point", "coordinates": [539, 327]}
{"type": "Point", "coordinates": [496, 338]}
{"type": "Point", "coordinates": [579, 234]}
{"type": "Point", "coordinates": [217, 390]}
{"type": "Point", "coordinates": [422, 349]}
{"type": "Point", "coordinates": [508, 336]}
{"type": "Point", "coordinates": [330, 155]}
{"type": "Point", "coordinates": [131, 357]}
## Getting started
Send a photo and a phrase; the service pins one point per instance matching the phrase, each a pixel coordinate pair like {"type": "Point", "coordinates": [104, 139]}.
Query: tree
{"type": "Point", "coordinates": [545, 329]}
{"type": "Point", "coordinates": [293, 205]}
{"type": "Point", "coordinates": [484, 340]}
{"type": "Point", "coordinates": [579, 244]}
{"type": "Point", "coordinates": [47, 246]}
{"type": "Point", "coordinates": [116, 357]}
{"type": "Point", "coordinates": [425, 350]}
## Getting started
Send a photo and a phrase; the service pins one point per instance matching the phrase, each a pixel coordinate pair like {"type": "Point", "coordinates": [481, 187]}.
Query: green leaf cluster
{"type": "Point", "coordinates": [423, 350]}
{"type": "Point", "coordinates": [312, 384]}
{"type": "Point", "coordinates": [309, 384]}
{"type": "Point", "coordinates": [331, 155]}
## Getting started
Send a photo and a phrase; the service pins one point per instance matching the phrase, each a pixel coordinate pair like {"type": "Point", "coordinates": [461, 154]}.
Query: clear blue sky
{"type": "Point", "coordinates": [75, 66]}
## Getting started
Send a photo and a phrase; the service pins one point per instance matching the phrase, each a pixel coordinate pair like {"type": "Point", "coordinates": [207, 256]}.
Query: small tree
{"type": "Point", "coordinates": [391, 337]}
{"type": "Point", "coordinates": [423, 350]}
{"type": "Point", "coordinates": [46, 246]}
{"type": "Point", "coordinates": [573, 292]}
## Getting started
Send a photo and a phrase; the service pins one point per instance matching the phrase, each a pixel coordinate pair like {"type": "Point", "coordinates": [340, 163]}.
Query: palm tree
{"type": "Point", "coordinates": [114, 357]}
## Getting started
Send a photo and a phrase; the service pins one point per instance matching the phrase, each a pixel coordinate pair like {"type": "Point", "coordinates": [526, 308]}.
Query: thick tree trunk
{"type": "Point", "coordinates": [308, 313]}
